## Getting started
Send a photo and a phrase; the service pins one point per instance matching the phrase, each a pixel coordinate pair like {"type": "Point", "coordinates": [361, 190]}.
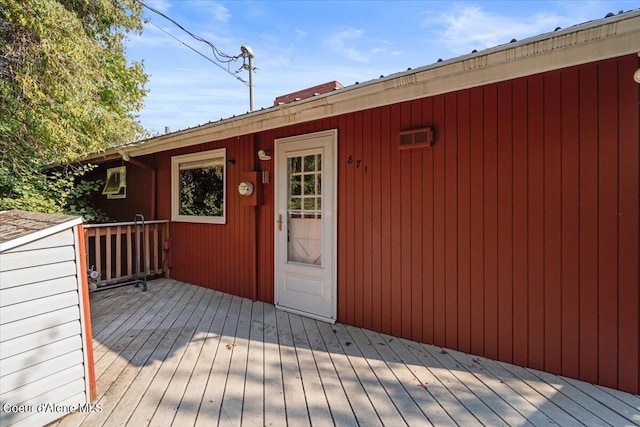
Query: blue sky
{"type": "Point", "coordinates": [298, 44]}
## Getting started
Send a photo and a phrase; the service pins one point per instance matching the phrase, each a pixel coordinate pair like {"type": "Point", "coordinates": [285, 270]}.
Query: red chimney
{"type": "Point", "coordinates": [308, 93]}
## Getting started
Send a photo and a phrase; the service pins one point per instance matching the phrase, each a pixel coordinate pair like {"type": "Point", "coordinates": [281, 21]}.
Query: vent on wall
{"type": "Point", "coordinates": [415, 138]}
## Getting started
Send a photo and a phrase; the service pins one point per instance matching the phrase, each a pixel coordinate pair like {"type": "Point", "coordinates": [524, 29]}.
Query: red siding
{"type": "Point", "coordinates": [628, 234]}
{"type": "Point", "coordinates": [428, 319]}
{"type": "Point", "coordinates": [570, 230]}
{"type": "Point", "coordinates": [520, 213]}
{"type": "Point", "coordinates": [588, 220]}
{"type": "Point", "coordinates": [552, 222]}
{"type": "Point", "coordinates": [514, 237]}
{"type": "Point", "coordinates": [505, 222]}
{"type": "Point", "coordinates": [464, 221]}
{"type": "Point", "coordinates": [138, 200]}
{"type": "Point", "coordinates": [211, 255]}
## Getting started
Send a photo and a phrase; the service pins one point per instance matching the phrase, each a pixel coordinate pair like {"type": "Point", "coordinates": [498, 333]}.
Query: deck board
{"type": "Point", "coordinates": [274, 408]}
{"type": "Point", "coordinates": [294, 394]}
{"type": "Point", "coordinates": [211, 406]}
{"type": "Point", "coordinates": [191, 402]}
{"type": "Point", "coordinates": [253, 409]}
{"type": "Point", "coordinates": [339, 405]}
{"type": "Point", "coordinates": [184, 355]}
{"type": "Point", "coordinates": [377, 393]}
{"type": "Point", "coordinates": [361, 405]}
{"type": "Point", "coordinates": [233, 399]}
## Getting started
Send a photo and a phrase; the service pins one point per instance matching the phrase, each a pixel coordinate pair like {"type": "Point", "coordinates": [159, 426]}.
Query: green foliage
{"type": "Point", "coordinates": [61, 191]}
{"type": "Point", "coordinates": [66, 89]}
{"type": "Point", "coordinates": [202, 191]}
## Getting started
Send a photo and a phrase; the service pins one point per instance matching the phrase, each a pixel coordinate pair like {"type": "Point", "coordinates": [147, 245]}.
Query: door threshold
{"type": "Point", "coordinates": [306, 314]}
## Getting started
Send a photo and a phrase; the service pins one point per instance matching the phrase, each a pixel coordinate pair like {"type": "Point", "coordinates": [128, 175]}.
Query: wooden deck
{"type": "Point", "coordinates": [183, 355]}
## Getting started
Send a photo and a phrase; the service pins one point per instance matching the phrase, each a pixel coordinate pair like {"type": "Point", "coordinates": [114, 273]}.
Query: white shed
{"type": "Point", "coordinates": [46, 355]}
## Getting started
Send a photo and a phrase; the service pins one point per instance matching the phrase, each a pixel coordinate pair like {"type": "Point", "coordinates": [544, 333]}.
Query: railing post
{"type": "Point", "coordinates": [96, 245]}
{"type": "Point", "coordinates": [166, 255]}
{"type": "Point", "coordinates": [86, 245]}
{"type": "Point", "coordinates": [118, 251]}
{"type": "Point", "coordinates": [129, 252]}
{"type": "Point", "coordinates": [107, 254]}
{"type": "Point", "coordinates": [147, 252]}
{"type": "Point", "coordinates": [156, 249]}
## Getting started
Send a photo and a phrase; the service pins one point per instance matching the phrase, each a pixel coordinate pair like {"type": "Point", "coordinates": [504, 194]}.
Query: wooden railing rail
{"type": "Point", "coordinates": [112, 249]}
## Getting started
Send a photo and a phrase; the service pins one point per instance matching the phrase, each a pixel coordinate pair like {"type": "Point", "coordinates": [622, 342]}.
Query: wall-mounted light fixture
{"type": "Point", "coordinates": [263, 155]}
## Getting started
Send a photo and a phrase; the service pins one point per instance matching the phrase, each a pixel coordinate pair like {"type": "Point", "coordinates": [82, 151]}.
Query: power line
{"type": "Point", "coordinates": [200, 53]}
{"type": "Point", "coordinates": [246, 54]}
{"type": "Point", "coordinates": [217, 53]}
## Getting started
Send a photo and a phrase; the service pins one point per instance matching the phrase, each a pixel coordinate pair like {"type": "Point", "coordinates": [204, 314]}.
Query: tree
{"type": "Point", "coordinates": [66, 90]}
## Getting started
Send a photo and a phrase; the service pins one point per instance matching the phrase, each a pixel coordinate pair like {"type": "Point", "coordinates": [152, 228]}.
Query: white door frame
{"type": "Point", "coordinates": [328, 140]}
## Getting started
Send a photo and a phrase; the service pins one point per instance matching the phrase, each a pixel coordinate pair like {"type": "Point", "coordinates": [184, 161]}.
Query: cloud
{"type": "Point", "coordinates": [300, 34]}
{"type": "Point", "coordinates": [469, 27]}
{"type": "Point", "coordinates": [161, 5]}
{"type": "Point", "coordinates": [220, 12]}
{"type": "Point", "coordinates": [216, 10]}
{"type": "Point", "coordinates": [343, 43]}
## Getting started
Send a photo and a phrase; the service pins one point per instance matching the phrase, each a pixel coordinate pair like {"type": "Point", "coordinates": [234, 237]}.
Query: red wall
{"type": "Point", "coordinates": [514, 237]}
{"type": "Point", "coordinates": [138, 200]}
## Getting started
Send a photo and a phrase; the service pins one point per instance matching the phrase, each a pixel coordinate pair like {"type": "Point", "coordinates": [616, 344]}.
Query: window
{"type": "Point", "coordinates": [116, 185]}
{"type": "Point", "coordinates": [198, 187]}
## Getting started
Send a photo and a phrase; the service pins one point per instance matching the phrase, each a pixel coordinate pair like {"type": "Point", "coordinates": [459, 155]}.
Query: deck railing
{"type": "Point", "coordinates": [112, 249]}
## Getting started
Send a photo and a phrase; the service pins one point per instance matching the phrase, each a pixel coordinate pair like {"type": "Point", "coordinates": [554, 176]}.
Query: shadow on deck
{"type": "Point", "coordinates": [184, 355]}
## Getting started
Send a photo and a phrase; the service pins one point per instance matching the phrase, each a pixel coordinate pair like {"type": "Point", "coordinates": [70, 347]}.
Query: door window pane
{"type": "Point", "coordinates": [304, 213]}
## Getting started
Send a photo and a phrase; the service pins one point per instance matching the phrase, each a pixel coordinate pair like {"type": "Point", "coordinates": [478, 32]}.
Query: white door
{"type": "Point", "coordinates": [305, 227]}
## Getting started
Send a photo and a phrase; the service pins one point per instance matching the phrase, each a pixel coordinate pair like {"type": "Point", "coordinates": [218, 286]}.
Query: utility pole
{"type": "Point", "coordinates": [248, 53]}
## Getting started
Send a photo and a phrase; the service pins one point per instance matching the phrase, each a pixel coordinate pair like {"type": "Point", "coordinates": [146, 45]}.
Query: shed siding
{"type": "Point", "coordinates": [41, 342]}
{"type": "Point", "coordinates": [514, 237]}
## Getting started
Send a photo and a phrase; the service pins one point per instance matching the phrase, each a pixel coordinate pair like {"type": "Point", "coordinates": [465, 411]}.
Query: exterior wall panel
{"type": "Point", "coordinates": [535, 225]}
{"type": "Point", "coordinates": [570, 228]}
{"type": "Point", "coordinates": [520, 213]}
{"type": "Point", "coordinates": [628, 232]}
{"type": "Point", "coordinates": [607, 223]}
{"type": "Point", "coordinates": [588, 219]}
{"type": "Point", "coordinates": [477, 222]}
{"type": "Point", "coordinates": [216, 256]}
{"type": "Point", "coordinates": [552, 222]}
{"type": "Point", "coordinates": [463, 221]}
{"type": "Point", "coordinates": [505, 222]}
{"type": "Point", "coordinates": [138, 200]}
{"type": "Point", "coordinates": [514, 237]}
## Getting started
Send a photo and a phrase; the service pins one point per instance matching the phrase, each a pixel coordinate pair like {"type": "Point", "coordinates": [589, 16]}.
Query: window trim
{"type": "Point", "coordinates": [175, 186]}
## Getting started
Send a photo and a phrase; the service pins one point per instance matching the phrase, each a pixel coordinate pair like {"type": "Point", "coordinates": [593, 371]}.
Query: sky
{"type": "Point", "coordinates": [299, 44]}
